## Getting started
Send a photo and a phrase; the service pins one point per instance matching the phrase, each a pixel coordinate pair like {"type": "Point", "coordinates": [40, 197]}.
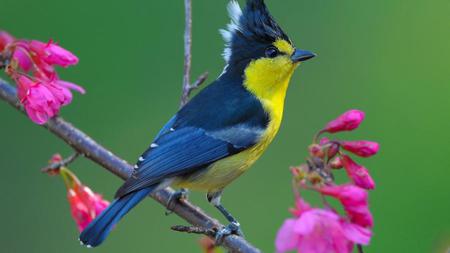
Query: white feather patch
{"type": "Point", "coordinates": [235, 13]}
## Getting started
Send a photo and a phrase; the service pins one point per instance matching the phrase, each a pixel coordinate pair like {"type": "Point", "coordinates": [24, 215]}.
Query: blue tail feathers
{"type": "Point", "coordinates": [98, 229]}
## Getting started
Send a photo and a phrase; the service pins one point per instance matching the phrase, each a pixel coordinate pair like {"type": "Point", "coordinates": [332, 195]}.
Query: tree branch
{"type": "Point", "coordinates": [88, 147]}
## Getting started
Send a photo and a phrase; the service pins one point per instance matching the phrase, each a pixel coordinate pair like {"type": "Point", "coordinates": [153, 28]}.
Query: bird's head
{"type": "Point", "coordinates": [255, 42]}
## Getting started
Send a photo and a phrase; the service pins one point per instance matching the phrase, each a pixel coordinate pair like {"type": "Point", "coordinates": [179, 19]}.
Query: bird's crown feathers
{"type": "Point", "coordinates": [253, 25]}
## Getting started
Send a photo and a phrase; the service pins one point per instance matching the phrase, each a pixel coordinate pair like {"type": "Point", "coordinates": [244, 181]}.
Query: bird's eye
{"type": "Point", "coordinates": [272, 52]}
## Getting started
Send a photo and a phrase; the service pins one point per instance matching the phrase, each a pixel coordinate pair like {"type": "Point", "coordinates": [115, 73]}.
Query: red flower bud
{"type": "Point", "coordinates": [324, 141]}
{"type": "Point", "coordinates": [333, 150]}
{"type": "Point", "coordinates": [361, 148]}
{"type": "Point", "coordinates": [355, 202]}
{"type": "Point", "coordinates": [336, 163]}
{"type": "Point", "coordinates": [316, 151]}
{"type": "Point", "coordinates": [358, 173]}
{"type": "Point", "coordinates": [5, 39]}
{"type": "Point", "coordinates": [346, 122]}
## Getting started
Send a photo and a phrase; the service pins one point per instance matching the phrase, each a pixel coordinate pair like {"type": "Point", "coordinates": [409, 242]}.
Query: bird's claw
{"type": "Point", "coordinates": [176, 196]}
{"type": "Point", "coordinates": [233, 228]}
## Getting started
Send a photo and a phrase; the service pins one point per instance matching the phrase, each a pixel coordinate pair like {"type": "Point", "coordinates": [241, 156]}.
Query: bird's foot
{"type": "Point", "coordinates": [182, 194]}
{"type": "Point", "coordinates": [233, 228]}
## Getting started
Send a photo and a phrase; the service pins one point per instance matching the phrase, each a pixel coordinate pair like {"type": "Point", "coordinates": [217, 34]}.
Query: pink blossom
{"type": "Point", "coordinates": [22, 58]}
{"type": "Point", "coordinates": [85, 205]}
{"type": "Point", "coordinates": [355, 202]}
{"type": "Point", "coordinates": [53, 54]}
{"type": "Point", "coordinates": [320, 231]}
{"type": "Point", "coordinates": [346, 122]}
{"type": "Point", "coordinates": [43, 100]}
{"type": "Point", "coordinates": [361, 148]}
{"type": "Point", "coordinates": [5, 39]}
{"type": "Point", "coordinates": [358, 173]}
{"type": "Point", "coordinates": [39, 102]}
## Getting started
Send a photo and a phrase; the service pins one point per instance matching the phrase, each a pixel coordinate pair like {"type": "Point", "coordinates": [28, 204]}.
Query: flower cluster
{"type": "Point", "coordinates": [31, 64]}
{"type": "Point", "coordinates": [85, 205]}
{"type": "Point", "coordinates": [324, 230]}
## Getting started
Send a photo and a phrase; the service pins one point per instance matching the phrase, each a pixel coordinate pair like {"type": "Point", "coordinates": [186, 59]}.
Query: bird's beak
{"type": "Point", "coordinates": [302, 55]}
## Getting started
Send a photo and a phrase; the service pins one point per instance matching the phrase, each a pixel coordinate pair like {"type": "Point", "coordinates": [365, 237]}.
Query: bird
{"type": "Point", "coordinates": [221, 131]}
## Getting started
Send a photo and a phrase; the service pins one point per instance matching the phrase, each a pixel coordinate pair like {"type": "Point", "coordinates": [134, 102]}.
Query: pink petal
{"type": "Point", "coordinates": [286, 239]}
{"type": "Point", "coordinates": [358, 173]}
{"type": "Point", "coordinates": [348, 121]}
{"type": "Point", "coordinates": [361, 148]}
{"type": "Point", "coordinates": [5, 39]}
{"type": "Point", "coordinates": [355, 202]}
{"type": "Point", "coordinates": [357, 234]}
{"type": "Point", "coordinates": [53, 54]}
{"type": "Point", "coordinates": [71, 86]}
{"type": "Point", "coordinates": [22, 58]}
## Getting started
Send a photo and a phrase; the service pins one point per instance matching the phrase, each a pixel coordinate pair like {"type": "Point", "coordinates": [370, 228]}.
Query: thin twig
{"type": "Point", "coordinates": [187, 86]}
{"type": "Point", "coordinates": [187, 52]}
{"type": "Point", "coordinates": [194, 230]}
{"type": "Point", "coordinates": [63, 163]}
{"type": "Point", "coordinates": [88, 147]}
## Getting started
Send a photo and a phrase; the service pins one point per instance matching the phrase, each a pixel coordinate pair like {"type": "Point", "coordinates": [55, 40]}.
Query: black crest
{"type": "Point", "coordinates": [250, 31]}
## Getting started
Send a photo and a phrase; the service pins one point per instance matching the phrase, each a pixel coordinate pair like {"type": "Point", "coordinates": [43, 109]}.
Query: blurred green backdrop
{"type": "Point", "coordinates": [389, 58]}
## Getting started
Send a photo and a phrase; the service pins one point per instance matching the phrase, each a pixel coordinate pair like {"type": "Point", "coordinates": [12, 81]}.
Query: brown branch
{"type": "Point", "coordinates": [88, 147]}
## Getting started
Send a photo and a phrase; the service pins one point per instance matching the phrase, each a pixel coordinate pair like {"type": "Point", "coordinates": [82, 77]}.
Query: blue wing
{"type": "Point", "coordinates": [211, 127]}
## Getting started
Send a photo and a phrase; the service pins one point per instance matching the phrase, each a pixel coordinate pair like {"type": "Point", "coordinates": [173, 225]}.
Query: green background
{"type": "Point", "coordinates": [389, 58]}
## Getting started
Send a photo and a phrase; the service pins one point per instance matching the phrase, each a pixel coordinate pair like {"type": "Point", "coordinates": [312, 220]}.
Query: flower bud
{"type": "Point", "coordinates": [358, 173]}
{"type": "Point", "coordinates": [333, 150]}
{"type": "Point", "coordinates": [5, 39]}
{"type": "Point", "coordinates": [361, 148]}
{"type": "Point", "coordinates": [324, 141]}
{"type": "Point", "coordinates": [336, 163]}
{"type": "Point", "coordinates": [355, 202]}
{"type": "Point", "coordinates": [316, 150]}
{"type": "Point", "coordinates": [346, 122]}
{"type": "Point", "coordinates": [53, 54]}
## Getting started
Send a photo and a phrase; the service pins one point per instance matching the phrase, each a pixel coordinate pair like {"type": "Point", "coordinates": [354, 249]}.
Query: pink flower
{"type": "Point", "coordinates": [5, 39]}
{"type": "Point", "coordinates": [355, 202]}
{"type": "Point", "coordinates": [346, 122]}
{"type": "Point", "coordinates": [361, 148]}
{"type": "Point", "coordinates": [43, 100]}
{"type": "Point", "coordinates": [22, 58]}
{"type": "Point", "coordinates": [85, 205]}
{"type": "Point", "coordinates": [359, 174]}
{"type": "Point", "coordinates": [32, 66]}
{"type": "Point", "coordinates": [39, 102]}
{"type": "Point", "coordinates": [320, 231]}
{"type": "Point", "coordinates": [53, 54]}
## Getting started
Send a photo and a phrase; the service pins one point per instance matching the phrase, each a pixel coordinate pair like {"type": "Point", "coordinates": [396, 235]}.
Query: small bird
{"type": "Point", "coordinates": [223, 130]}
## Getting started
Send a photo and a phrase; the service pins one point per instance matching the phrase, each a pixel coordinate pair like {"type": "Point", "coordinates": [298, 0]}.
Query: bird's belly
{"type": "Point", "coordinates": [219, 174]}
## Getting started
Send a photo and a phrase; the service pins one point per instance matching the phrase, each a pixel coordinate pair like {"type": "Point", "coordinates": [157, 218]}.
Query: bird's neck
{"type": "Point", "coordinates": [268, 86]}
